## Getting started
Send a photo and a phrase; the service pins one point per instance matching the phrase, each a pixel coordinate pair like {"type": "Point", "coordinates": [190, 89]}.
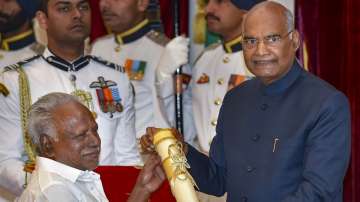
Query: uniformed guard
{"type": "Point", "coordinates": [100, 85]}
{"type": "Point", "coordinates": [135, 45]}
{"type": "Point", "coordinates": [17, 38]}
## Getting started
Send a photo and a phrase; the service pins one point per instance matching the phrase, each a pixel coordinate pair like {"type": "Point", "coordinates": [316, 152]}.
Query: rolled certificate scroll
{"type": "Point", "coordinates": [175, 166]}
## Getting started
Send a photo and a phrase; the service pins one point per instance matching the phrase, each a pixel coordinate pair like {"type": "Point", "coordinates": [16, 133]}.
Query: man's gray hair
{"type": "Point", "coordinates": [289, 20]}
{"type": "Point", "coordinates": [40, 120]}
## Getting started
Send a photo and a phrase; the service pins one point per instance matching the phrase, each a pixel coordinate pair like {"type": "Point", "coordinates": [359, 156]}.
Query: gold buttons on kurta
{"type": "Point", "coordinates": [226, 59]}
{"type": "Point", "coordinates": [214, 122]}
{"type": "Point", "coordinates": [220, 81]}
{"type": "Point", "coordinates": [217, 101]}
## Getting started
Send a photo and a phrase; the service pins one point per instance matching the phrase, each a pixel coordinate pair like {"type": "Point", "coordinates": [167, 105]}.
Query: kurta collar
{"type": "Point", "coordinates": [65, 171]}
{"type": "Point", "coordinates": [18, 41]}
{"type": "Point", "coordinates": [233, 45]}
{"type": "Point", "coordinates": [62, 64]}
{"type": "Point", "coordinates": [134, 33]}
{"type": "Point", "coordinates": [283, 83]}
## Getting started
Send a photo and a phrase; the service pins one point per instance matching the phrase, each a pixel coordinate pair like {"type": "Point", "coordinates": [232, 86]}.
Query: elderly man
{"type": "Point", "coordinates": [272, 142]}
{"type": "Point", "coordinates": [63, 67]}
{"type": "Point", "coordinates": [17, 38]}
{"type": "Point", "coordinates": [65, 134]}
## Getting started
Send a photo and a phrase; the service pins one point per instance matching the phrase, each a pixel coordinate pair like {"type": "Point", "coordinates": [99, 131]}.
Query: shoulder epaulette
{"type": "Point", "coordinates": [37, 48]}
{"type": "Point", "coordinates": [211, 47]}
{"type": "Point", "coordinates": [108, 36]}
{"type": "Point", "coordinates": [158, 37]}
{"type": "Point", "coordinates": [19, 64]}
{"type": "Point", "coordinates": [28, 60]}
{"type": "Point", "coordinates": [108, 64]}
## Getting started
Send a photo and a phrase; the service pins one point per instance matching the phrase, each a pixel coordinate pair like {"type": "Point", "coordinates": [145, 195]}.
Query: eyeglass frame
{"type": "Point", "coordinates": [266, 40]}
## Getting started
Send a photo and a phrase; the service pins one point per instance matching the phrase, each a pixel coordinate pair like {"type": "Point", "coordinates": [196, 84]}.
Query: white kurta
{"type": "Point", "coordinates": [117, 133]}
{"type": "Point", "coordinates": [207, 97]}
{"type": "Point", "coordinates": [53, 181]}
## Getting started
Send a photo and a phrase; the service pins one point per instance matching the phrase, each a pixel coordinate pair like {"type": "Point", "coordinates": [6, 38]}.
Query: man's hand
{"type": "Point", "coordinates": [149, 180]}
{"type": "Point", "coordinates": [146, 140]}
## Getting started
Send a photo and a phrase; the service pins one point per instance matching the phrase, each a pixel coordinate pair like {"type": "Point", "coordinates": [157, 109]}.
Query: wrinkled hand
{"type": "Point", "coordinates": [146, 141]}
{"type": "Point", "coordinates": [152, 175]}
{"type": "Point", "coordinates": [149, 179]}
{"type": "Point", "coordinates": [176, 54]}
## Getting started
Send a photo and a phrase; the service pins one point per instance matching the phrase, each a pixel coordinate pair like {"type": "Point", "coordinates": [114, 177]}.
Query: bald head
{"type": "Point", "coordinates": [270, 11]}
{"type": "Point", "coordinates": [270, 41]}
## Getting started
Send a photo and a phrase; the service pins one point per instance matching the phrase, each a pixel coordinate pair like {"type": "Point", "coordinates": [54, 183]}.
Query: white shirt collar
{"type": "Point", "coordinates": [68, 172]}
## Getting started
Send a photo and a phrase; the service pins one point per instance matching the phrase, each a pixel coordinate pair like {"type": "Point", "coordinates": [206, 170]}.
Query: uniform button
{"type": "Point", "coordinates": [256, 138]}
{"type": "Point", "coordinates": [220, 81]}
{"type": "Point", "coordinates": [217, 101]}
{"type": "Point", "coordinates": [213, 122]}
{"type": "Point", "coordinates": [226, 59]}
{"type": "Point", "coordinates": [264, 107]}
{"type": "Point", "coordinates": [249, 169]}
{"type": "Point", "coordinates": [244, 199]}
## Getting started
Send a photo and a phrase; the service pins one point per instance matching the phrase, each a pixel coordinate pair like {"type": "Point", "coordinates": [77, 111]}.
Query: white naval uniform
{"type": "Point", "coordinates": [54, 181]}
{"type": "Point", "coordinates": [117, 133]}
{"type": "Point", "coordinates": [153, 108]}
{"type": "Point", "coordinates": [13, 51]}
{"type": "Point", "coordinates": [218, 65]}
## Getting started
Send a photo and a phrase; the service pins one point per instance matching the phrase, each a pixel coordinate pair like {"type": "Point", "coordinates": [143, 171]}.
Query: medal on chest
{"type": "Point", "coordinates": [108, 95]}
{"type": "Point", "coordinates": [84, 97]}
{"type": "Point", "coordinates": [135, 69]}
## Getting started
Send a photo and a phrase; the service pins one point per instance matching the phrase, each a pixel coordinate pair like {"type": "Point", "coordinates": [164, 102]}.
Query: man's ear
{"type": "Point", "coordinates": [143, 4]}
{"type": "Point", "coordinates": [296, 39]}
{"type": "Point", "coordinates": [46, 146]}
{"type": "Point", "coordinates": [42, 19]}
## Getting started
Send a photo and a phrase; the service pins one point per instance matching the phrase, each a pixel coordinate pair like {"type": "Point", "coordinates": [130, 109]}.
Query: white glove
{"type": "Point", "coordinates": [175, 55]}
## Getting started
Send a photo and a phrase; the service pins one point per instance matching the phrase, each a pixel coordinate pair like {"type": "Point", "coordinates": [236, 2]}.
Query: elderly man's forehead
{"type": "Point", "coordinates": [266, 15]}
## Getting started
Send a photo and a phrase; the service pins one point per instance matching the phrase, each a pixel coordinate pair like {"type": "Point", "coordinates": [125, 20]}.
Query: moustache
{"type": "Point", "coordinates": [211, 16]}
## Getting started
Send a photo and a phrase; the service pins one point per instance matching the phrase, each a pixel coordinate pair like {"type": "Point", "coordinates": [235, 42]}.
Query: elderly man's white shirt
{"type": "Point", "coordinates": [207, 97]}
{"type": "Point", "coordinates": [53, 181]}
{"type": "Point", "coordinates": [117, 133]}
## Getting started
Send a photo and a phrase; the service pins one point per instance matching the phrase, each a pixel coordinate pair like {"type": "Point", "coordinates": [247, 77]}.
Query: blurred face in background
{"type": "Point", "coordinates": [12, 16]}
{"type": "Point", "coordinates": [224, 18]}
{"type": "Point", "coordinates": [121, 15]}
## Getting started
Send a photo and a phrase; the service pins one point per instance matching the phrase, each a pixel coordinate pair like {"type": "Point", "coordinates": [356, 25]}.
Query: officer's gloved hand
{"type": "Point", "coordinates": [176, 53]}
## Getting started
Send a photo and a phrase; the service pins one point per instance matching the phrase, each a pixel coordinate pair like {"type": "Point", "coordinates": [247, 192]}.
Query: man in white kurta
{"type": "Point", "coordinates": [55, 181]}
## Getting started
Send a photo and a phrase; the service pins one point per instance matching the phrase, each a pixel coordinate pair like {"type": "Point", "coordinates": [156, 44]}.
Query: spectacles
{"type": "Point", "coordinates": [271, 40]}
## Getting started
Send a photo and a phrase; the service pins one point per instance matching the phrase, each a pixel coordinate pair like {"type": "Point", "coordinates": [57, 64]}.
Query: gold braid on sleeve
{"type": "Point", "coordinates": [25, 103]}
